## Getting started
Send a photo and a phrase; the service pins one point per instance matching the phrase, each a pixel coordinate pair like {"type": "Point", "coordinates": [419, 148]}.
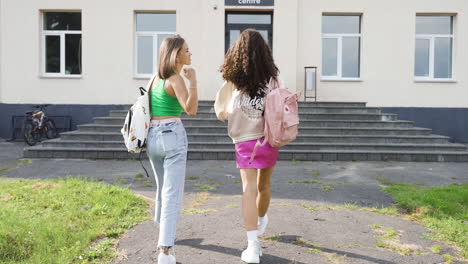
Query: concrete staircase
{"type": "Point", "coordinates": [328, 131]}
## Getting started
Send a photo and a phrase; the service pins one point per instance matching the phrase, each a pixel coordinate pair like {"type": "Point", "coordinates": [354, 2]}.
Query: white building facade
{"type": "Point", "coordinates": [87, 57]}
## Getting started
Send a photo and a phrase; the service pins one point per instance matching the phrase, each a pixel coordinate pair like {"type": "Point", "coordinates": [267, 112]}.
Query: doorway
{"type": "Point", "coordinates": [238, 21]}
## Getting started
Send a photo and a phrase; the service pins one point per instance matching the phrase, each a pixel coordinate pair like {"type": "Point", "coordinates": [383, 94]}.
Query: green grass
{"type": "Point", "coordinates": [198, 211]}
{"type": "Point", "coordinates": [272, 238]}
{"type": "Point", "coordinates": [316, 174]}
{"type": "Point", "coordinates": [306, 181]}
{"type": "Point", "coordinates": [326, 188]}
{"type": "Point", "coordinates": [139, 176]}
{"type": "Point", "coordinates": [55, 221]}
{"type": "Point", "coordinates": [310, 208]}
{"type": "Point", "coordinates": [204, 187]}
{"type": "Point", "coordinates": [212, 168]}
{"type": "Point", "coordinates": [436, 249]}
{"type": "Point", "coordinates": [17, 165]}
{"type": "Point", "coordinates": [389, 233]}
{"type": "Point", "coordinates": [191, 178]}
{"type": "Point", "coordinates": [448, 258]}
{"type": "Point", "coordinates": [387, 182]}
{"type": "Point", "coordinates": [444, 210]}
{"type": "Point", "coordinates": [213, 182]}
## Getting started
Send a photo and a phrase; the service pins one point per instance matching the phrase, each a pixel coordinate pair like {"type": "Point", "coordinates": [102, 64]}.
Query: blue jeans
{"type": "Point", "coordinates": [167, 152]}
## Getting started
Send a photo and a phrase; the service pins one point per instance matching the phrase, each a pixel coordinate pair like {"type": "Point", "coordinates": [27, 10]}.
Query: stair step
{"type": "Point", "coordinates": [328, 131]}
{"type": "Point", "coordinates": [305, 109]}
{"type": "Point", "coordinates": [302, 130]}
{"type": "Point", "coordinates": [301, 104]}
{"type": "Point", "coordinates": [393, 139]}
{"type": "Point", "coordinates": [311, 122]}
{"type": "Point", "coordinates": [214, 137]}
{"type": "Point", "coordinates": [228, 154]}
{"type": "Point", "coordinates": [345, 115]}
{"type": "Point", "coordinates": [292, 146]}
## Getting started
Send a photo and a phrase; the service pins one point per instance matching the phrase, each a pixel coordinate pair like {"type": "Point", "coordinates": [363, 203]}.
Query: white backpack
{"type": "Point", "coordinates": [137, 122]}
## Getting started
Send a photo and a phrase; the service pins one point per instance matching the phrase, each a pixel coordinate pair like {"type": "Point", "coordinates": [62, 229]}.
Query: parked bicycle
{"type": "Point", "coordinates": [37, 124]}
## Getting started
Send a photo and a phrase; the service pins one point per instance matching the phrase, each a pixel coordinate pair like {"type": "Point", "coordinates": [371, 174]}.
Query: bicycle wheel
{"type": "Point", "coordinates": [29, 134]}
{"type": "Point", "coordinates": [50, 129]}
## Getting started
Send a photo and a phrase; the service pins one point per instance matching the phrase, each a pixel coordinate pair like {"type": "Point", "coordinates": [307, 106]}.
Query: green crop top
{"type": "Point", "coordinates": [162, 103]}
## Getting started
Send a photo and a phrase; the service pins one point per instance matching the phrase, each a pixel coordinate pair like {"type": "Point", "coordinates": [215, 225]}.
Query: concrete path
{"type": "Point", "coordinates": [315, 214]}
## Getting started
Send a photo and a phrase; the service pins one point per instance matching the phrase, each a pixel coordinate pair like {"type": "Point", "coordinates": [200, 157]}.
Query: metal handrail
{"type": "Point", "coordinates": [314, 84]}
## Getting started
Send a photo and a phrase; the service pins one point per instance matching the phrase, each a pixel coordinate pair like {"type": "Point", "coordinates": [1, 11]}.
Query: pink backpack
{"type": "Point", "coordinates": [281, 117]}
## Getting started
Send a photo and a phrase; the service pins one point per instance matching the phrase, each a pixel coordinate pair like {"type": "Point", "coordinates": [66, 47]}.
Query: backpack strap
{"type": "Point", "coordinates": [148, 89]}
{"type": "Point", "coordinates": [139, 157]}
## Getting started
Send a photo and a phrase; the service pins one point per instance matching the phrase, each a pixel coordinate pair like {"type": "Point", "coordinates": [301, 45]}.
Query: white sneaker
{"type": "Point", "coordinates": [262, 226]}
{"type": "Point", "coordinates": [253, 252]}
{"type": "Point", "coordinates": [166, 259]}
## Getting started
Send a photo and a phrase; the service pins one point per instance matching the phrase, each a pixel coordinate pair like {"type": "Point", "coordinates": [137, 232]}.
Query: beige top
{"type": "Point", "coordinates": [246, 120]}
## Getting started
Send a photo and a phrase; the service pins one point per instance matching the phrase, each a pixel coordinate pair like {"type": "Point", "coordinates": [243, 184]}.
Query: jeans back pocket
{"type": "Point", "coordinates": [169, 140]}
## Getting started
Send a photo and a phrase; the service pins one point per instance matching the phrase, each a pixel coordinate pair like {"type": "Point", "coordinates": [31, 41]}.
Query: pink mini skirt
{"type": "Point", "coordinates": [265, 157]}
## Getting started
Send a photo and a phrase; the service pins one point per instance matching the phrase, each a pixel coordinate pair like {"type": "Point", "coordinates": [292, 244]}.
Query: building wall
{"type": "Point", "coordinates": [108, 48]}
{"type": "Point", "coordinates": [108, 32]}
{"type": "Point", "coordinates": [387, 59]}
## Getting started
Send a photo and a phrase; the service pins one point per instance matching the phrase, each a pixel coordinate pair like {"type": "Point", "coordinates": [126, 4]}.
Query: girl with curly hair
{"type": "Point", "coordinates": [248, 69]}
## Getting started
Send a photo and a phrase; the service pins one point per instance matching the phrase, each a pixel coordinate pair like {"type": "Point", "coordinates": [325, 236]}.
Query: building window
{"type": "Point", "coordinates": [341, 47]}
{"type": "Point", "coordinates": [433, 48]}
{"type": "Point", "coordinates": [151, 30]}
{"type": "Point", "coordinates": [61, 39]}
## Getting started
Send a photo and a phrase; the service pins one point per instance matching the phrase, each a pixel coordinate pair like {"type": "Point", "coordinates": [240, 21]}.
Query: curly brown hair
{"type": "Point", "coordinates": [249, 63]}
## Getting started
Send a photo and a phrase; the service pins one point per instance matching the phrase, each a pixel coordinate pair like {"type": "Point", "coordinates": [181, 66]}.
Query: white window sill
{"type": "Point", "coordinates": [45, 76]}
{"type": "Point", "coordinates": [324, 79]}
{"type": "Point", "coordinates": [142, 77]}
{"type": "Point", "coordinates": [435, 80]}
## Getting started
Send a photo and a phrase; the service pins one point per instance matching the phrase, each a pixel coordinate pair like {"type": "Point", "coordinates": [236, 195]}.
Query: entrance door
{"type": "Point", "coordinates": [238, 21]}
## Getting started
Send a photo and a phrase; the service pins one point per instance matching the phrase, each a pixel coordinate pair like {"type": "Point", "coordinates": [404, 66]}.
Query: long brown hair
{"type": "Point", "coordinates": [249, 63]}
{"type": "Point", "coordinates": [168, 51]}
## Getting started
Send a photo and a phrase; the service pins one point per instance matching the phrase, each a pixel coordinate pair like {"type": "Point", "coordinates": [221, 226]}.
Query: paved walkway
{"type": "Point", "coordinates": [312, 214]}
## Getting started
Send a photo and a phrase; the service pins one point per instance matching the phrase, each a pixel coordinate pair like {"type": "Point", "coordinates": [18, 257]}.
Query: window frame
{"type": "Point", "coordinates": [431, 38]}
{"type": "Point", "coordinates": [61, 34]}
{"type": "Point", "coordinates": [155, 35]}
{"type": "Point", "coordinates": [339, 37]}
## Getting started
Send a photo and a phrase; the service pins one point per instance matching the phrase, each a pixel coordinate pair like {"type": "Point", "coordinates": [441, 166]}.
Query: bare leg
{"type": "Point", "coordinates": [249, 208]}
{"type": "Point", "coordinates": [264, 194]}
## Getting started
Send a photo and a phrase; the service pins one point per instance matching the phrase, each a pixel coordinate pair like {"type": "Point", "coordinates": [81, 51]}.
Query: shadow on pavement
{"type": "Point", "coordinates": [196, 243]}
{"type": "Point", "coordinates": [293, 240]}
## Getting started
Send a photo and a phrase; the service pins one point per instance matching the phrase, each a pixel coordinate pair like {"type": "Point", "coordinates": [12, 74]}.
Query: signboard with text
{"type": "Point", "coordinates": [249, 2]}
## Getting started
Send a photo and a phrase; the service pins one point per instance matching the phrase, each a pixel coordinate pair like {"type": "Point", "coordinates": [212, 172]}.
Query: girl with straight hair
{"type": "Point", "coordinates": [248, 69]}
{"type": "Point", "coordinates": [167, 139]}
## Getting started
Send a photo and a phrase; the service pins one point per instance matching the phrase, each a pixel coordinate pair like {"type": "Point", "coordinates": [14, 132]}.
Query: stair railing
{"type": "Point", "coordinates": [310, 82]}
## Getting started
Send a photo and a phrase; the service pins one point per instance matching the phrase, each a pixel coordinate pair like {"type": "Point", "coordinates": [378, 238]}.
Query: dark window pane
{"type": "Point", "coordinates": [52, 54]}
{"type": "Point", "coordinates": [329, 56]}
{"type": "Point", "coordinates": [248, 19]}
{"type": "Point", "coordinates": [421, 66]}
{"type": "Point", "coordinates": [443, 58]}
{"type": "Point", "coordinates": [341, 24]}
{"type": "Point", "coordinates": [233, 36]}
{"type": "Point", "coordinates": [62, 21]}
{"type": "Point", "coordinates": [145, 55]}
{"type": "Point", "coordinates": [73, 54]}
{"type": "Point", "coordinates": [155, 22]}
{"type": "Point", "coordinates": [434, 25]}
{"type": "Point", "coordinates": [350, 57]}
